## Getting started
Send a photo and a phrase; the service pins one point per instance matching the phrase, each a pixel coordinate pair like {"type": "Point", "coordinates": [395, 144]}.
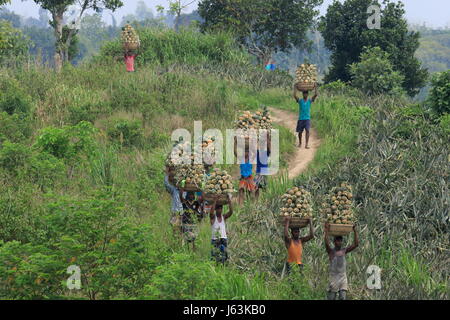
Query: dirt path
{"type": "Point", "coordinates": [302, 157]}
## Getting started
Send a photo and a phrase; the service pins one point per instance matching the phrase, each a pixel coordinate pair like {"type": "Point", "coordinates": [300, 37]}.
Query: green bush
{"type": "Point", "coordinates": [184, 278]}
{"type": "Point", "coordinates": [14, 127]}
{"type": "Point", "coordinates": [374, 73]}
{"type": "Point", "coordinates": [126, 132]}
{"type": "Point", "coordinates": [12, 98]}
{"type": "Point", "coordinates": [13, 156]}
{"type": "Point", "coordinates": [69, 142]}
{"type": "Point", "coordinates": [439, 97]}
{"type": "Point", "coordinates": [445, 123]}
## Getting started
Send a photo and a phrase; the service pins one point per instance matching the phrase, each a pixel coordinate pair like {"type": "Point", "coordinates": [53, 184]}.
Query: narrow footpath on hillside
{"type": "Point", "coordinates": [301, 157]}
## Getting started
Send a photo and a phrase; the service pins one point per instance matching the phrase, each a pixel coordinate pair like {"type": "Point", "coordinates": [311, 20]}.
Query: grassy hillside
{"type": "Point", "coordinates": [81, 171]}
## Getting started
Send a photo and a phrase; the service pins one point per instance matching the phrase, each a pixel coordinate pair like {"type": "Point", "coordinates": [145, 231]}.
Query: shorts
{"type": "Point", "coordinates": [303, 124]}
{"type": "Point", "coordinates": [219, 251]}
{"type": "Point", "coordinates": [261, 181]}
{"type": "Point", "coordinates": [247, 183]}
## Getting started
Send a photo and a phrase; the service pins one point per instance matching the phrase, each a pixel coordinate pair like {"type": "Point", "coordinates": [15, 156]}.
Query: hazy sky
{"type": "Point", "coordinates": [435, 13]}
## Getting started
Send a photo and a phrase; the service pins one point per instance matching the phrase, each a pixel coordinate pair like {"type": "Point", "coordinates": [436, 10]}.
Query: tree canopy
{"type": "Point", "coordinates": [264, 27]}
{"type": "Point", "coordinates": [345, 30]}
{"type": "Point", "coordinates": [374, 73]}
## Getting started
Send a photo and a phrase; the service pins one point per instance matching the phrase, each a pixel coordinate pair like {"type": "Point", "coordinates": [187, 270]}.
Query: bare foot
{"type": "Point", "coordinates": [306, 147]}
{"type": "Point", "coordinates": [299, 145]}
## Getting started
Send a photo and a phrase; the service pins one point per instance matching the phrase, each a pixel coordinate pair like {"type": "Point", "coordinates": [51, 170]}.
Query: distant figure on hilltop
{"type": "Point", "coordinates": [129, 57]}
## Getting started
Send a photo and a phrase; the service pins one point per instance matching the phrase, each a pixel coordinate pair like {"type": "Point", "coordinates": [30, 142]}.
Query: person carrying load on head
{"type": "Point", "coordinates": [219, 238]}
{"type": "Point", "coordinates": [304, 118]}
{"type": "Point", "coordinates": [191, 215]}
{"type": "Point", "coordinates": [262, 167]}
{"type": "Point", "coordinates": [338, 265]}
{"type": "Point", "coordinates": [129, 57]}
{"type": "Point", "coordinates": [246, 183]}
{"type": "Point", "coordinates": [177, 206]}
{"type": "Point", "coordinates": [294, 244]}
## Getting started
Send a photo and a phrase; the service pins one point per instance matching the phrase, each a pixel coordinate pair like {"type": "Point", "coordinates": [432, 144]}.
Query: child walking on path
{"type": "Point", "coordinates": [338, 276]}
{"type": "Point", "coordinates": [219, 237]}
{"type": "Point", "coordinates": [304, 118]}
{"type": "Point", "coordinates": [295, 244]}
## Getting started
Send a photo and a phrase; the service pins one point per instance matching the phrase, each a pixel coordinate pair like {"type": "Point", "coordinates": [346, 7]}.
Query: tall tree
{"type": "Point", "coordinates": [176, 8]}
{"type": "Point", "coordinates": [58, 8]}
{"type": "Point", "coordinates": [345, 30]}
{"type": "Point", "coordinates": [264, 27]}
{"type": "Point", "coordinates": [143, 12]}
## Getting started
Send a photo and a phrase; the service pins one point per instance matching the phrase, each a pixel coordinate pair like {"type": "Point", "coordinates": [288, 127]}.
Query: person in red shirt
{"type": "Point", "coordinates": [129, 60]}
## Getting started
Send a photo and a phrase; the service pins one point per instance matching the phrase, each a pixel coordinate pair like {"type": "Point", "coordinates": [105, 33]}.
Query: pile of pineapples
{"type": "Point", "coordinates": [130, 36]}
{"type": "Point", "coordinates": [259, 120]}
{"type": "Point", "coordinates": [297, 202]}
{"type": "Point", "coordinates": [338, 207]}
{"type": "Point", "coordinates": [306, 73]}
{"type": "Point", "coordinates": [219, 182]}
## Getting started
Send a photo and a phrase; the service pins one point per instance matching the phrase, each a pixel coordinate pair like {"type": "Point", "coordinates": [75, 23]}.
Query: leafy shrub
{"type": "Point", "coordinates": [14, 127]}
{"type": "Point", "coordinates": [92, 233]}
{"type": "Point", "coordinates": [126, 132]}
{"type": "Point", "coordinates": [184, 278]}
{"type": "Point", "coordinates": [439, 97]}
{"type": "Point", "coordinates": [12, 98]}
{"type": "Point", "coordinates": [13, 156]}
{"type": "Point", "coordinates": [85, 105]}
{"type": "Point", "coordinates": [69, 142]}
{"type": "Point", "coordinates": [445, 123]}
{"type": "Point", "coordinates": [374, 73]}
{"type": "Point", "coordinates": [45, 169]}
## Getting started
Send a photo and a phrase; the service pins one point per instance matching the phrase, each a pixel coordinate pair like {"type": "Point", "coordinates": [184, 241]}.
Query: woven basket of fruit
{"type": "Point", "coordinates": [305, 86]}
{"type": "Point", "coordinates": [218, 184]}
{"type": "Point", "coordinates": [130, 38]}
{"type": "Point", "coordinates": [340, 229]}
{"type": "Point", "coordinates": [306, 77]}
{"type": "Point", "coordinates": [295, 222]}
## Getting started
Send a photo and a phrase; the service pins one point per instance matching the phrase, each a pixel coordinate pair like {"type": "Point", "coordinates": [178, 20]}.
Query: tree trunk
{"type": "Point", "coordinates": [58, 27]}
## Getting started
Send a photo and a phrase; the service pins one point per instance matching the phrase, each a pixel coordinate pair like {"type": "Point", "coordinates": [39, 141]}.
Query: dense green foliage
{"type": "Point", "coordinates": [345, 31]}
{"type": "Point", "coordinates": [374, 73]}
{"type": "Point", "coordinates": [13, 44]}
{"type": "Point", "coordinates": [81, 170]}
{"type": "Point", "coordinates": [263, 27]}
{"type": "Point", "coordinates": [440, 93]}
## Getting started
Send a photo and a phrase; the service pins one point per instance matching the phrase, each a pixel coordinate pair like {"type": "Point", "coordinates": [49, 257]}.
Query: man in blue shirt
{"type": "Point", "coordinates": [304, 119]}
{"type": "Point", "coordinates": [262, 167]}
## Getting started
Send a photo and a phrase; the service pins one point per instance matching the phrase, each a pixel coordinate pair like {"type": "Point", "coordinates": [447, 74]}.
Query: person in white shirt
{"type": "Point", "coordinates": [219, 237]}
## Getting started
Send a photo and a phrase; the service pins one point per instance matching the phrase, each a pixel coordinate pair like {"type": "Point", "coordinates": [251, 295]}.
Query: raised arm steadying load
{"type": "Point", "coordinates": [315, 93]}
{"type": "Point", "coordinates": [355, 241]}
{"type": "Point", "coordinates": [295, 94]}
{"type": "Point", "coordinates": [327, 240]}
{"type": "Point", "coordinates": [287, 238]}
{"type": "Point", "coordinates": [311, 233]}
{"type": "Point", "coordinates": [230, 208]}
